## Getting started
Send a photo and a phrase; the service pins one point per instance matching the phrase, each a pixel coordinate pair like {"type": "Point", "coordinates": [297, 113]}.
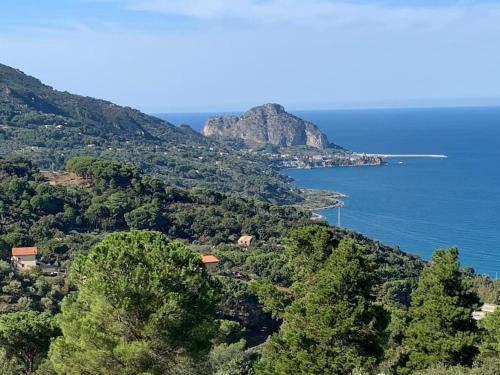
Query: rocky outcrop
{"type": "Point", "coordinates": [268, 123]}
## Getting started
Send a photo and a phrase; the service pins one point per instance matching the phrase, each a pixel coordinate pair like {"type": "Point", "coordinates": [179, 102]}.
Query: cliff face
{"type": "Point", "coordinates": [269, 123]}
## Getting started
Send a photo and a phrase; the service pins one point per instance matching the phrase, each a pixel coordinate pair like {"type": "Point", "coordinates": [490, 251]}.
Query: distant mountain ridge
{"type": "Point", "coordinates": [267, 124]}
{"type": "Point", "coordinates": [26, 100]}
{"type": "Point", "coordinates": [49, 126]}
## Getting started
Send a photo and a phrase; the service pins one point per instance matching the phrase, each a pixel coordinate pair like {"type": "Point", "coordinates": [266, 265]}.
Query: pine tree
{"type": "Point", "coordinates": [333, 327]}
{"type": "Point", "coordinates": [308, 248]}
{"type": "Point", "coordinates": [490, 338]}
{"type": "Point", "coordinates": [145, 305]}
{"type": "Point", "coordinates": [441, 330]}
{"type": "Point", "coordinates": [25, 337]}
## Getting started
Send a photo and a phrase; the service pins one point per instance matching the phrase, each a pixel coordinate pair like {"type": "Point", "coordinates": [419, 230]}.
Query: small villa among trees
{"type": "Point", "coordinates": [245, 240]}
{"type": "Point", "coordinates": [209, 261]}
{"type": "Point", "coordinates": [24, 257]}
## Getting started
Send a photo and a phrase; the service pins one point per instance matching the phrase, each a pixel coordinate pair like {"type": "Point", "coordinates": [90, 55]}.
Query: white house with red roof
{"type": "Point", "coordinates": [24, 257]}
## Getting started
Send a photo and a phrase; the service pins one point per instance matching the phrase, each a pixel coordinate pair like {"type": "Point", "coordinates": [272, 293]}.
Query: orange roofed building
{"type": "Point", "coordinates": [24, 257]}
{"type": "Point", "coordinates": [209, 261]}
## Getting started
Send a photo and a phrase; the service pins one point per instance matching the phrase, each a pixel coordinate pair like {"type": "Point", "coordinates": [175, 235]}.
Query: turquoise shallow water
{"type": "Point", "coordinates": [419, 204]}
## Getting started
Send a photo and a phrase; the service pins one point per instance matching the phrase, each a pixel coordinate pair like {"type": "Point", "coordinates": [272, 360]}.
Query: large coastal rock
{"type": "Point", "coordinates": [268, 123]}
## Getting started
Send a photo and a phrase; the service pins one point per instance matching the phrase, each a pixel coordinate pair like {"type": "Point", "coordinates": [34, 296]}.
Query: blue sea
{"type": "Point", "coordinates": [417, 204]}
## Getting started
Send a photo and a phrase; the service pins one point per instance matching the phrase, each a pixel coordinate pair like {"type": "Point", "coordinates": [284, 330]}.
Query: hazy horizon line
{"type": "Point", "coordinates": [327, 109]}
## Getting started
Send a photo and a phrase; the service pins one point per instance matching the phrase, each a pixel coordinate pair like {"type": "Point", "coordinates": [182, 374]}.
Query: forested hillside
{"type": "Point", "coordinates": [320, 284]}
{"type": "Point", "coordinates": [67, 218]}
{"type": "Point", "coordinates": [113, 197]}
{"type": "Point", "coordinates": [125, 205]}
{"type": "Point", "coordinates": [50, 126]}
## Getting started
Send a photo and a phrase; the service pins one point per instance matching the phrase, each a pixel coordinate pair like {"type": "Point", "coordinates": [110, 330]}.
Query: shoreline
{"type": "Point", "coordinates": [331, 207]}
{"type": "Point", "coordinates": [315, 216]}
{"type": "Point", "coordinates": [318, 200]}
{"type": "Point", "coordinates": [337, 166]}
{"type": "Point", "coordinates": [382, 156]}
{"type": "Point", "coordinates": [387, 156]}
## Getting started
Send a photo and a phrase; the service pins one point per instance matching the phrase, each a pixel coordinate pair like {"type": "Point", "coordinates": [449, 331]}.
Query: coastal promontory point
{"type": "Point", "coordinates": [267, 124]}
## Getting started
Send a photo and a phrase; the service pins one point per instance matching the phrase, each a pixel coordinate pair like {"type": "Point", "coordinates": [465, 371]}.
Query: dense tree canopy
{"type": "Point", "coordinates": [26, 335]}
{"type": "Point", "coordinates": [134, 304]}
{"type": "Point", "coordinates": [145, 304]}
{"type": "Point", "coordinates": [105, 196]}
{"type": "Point", "coordinates": [308, 248]}
{"type": "Point", "coordinates": [333, 325]}
{"type": "Point", "coordinates": [441, 328]}
{"type": "Point", "coordinates": [490, 343]}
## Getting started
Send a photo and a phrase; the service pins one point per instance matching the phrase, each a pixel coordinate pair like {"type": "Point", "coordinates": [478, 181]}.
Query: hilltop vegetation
{"type": "Point", "coordinates": [62, 220]}
{"type": "Point", "coordinates": [67, 220]}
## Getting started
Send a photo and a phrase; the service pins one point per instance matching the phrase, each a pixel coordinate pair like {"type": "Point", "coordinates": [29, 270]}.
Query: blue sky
{"type": "Point", "coordinates": [228, 55]}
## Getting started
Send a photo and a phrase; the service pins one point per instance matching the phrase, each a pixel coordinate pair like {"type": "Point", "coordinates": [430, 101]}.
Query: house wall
{"type": "Point", "coordinates": [28, 261]}
{"type": "Point", "coordinates": [244, 242]}
{"type": "Point", "coordinates": [210, 266]}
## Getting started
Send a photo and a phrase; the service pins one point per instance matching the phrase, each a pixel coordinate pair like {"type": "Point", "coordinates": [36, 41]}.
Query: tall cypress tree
{"type": "Point", "coordinates": [441, 330]}
{"type": "Point", "coordinates": [333, 325]}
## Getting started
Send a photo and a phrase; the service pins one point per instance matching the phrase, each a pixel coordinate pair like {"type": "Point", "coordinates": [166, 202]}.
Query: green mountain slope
{"type": "Point", "coordinates": [25, 101]}
{"type": "Point", "coordinates": [49, 126]}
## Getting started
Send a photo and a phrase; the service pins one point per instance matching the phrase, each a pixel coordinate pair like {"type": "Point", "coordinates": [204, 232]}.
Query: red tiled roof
{"type": "Point", "coordinates": [209, 259]}
{"type": "Point", "coordinates": [24, 251]}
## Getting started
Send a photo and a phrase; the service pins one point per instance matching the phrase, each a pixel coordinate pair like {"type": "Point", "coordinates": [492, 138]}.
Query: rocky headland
{"type": "Point", "coordinates": [285, 139]}
{"type": "Point", "coordinates": [267, 124]}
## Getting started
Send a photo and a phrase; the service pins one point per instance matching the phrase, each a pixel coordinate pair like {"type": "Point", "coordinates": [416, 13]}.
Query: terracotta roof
{"type": "Point", "coordinates": [24, 251]}
{"type": "Point", "coordinates": [209, 259]}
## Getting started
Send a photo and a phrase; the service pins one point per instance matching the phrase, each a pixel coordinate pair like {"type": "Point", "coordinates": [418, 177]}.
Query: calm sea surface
{"type": "Point", "coordinates": [417, 204]}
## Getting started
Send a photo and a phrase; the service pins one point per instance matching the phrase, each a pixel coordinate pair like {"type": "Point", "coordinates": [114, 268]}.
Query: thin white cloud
{"type": "Point", "coordinates": [312, 53]}
{"type": "Point", "coordinates": [319, 11]}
